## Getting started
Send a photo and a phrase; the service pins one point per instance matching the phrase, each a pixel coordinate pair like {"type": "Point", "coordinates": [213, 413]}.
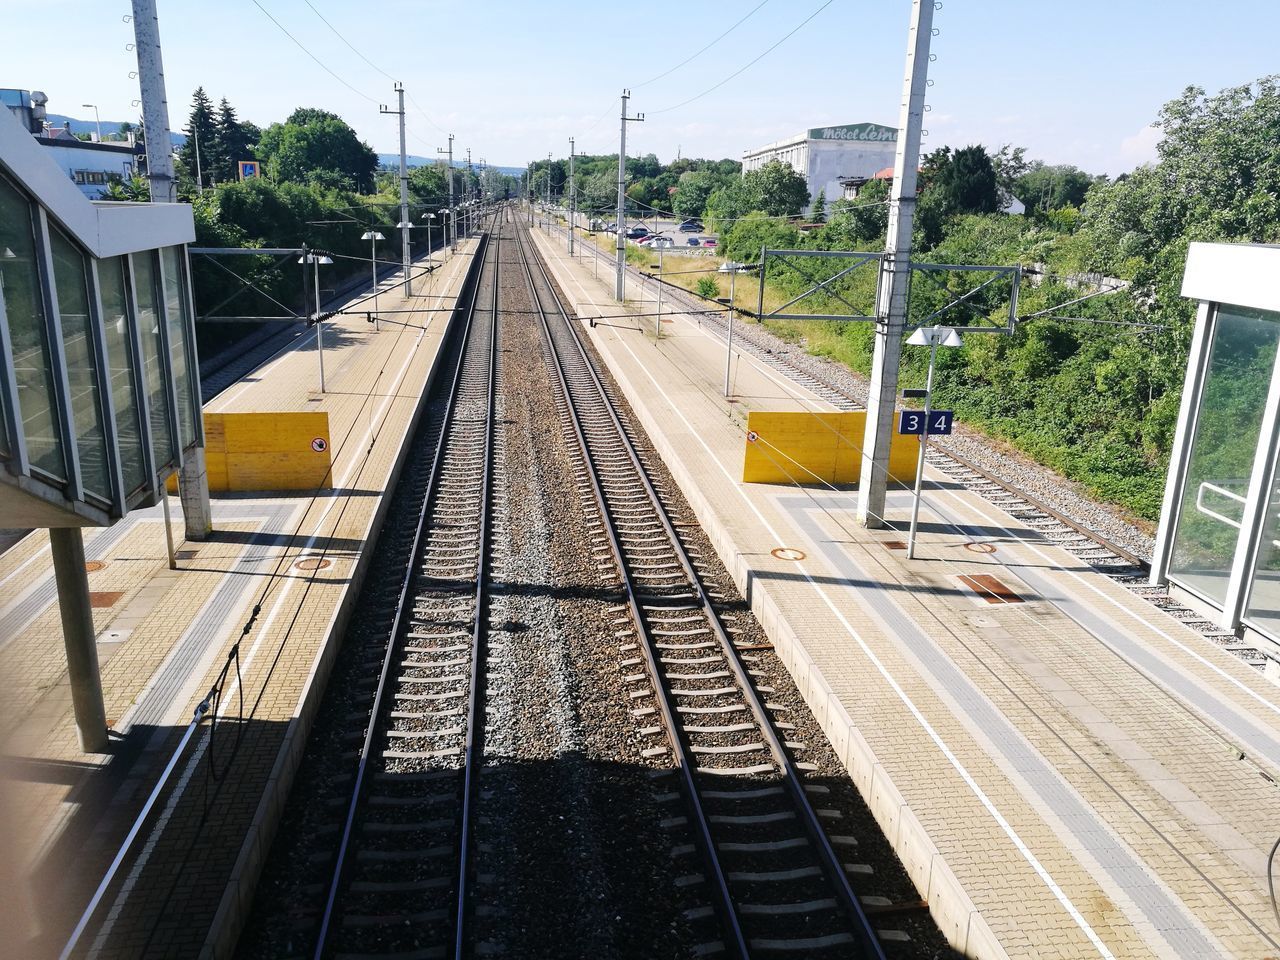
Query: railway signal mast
{"type": "Point", "coordinates": [895, 275]}
{"type": "Point", "coordinates": [404, 224]}
{"type": "Point", "coordinates": [622, 196]}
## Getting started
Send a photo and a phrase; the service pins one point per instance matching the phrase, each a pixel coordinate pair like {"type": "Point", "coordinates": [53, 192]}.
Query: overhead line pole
{"type": "Point", "coordinates": [453, 213]}
{"type": "Point", "coordinates": [622, 196]}
{"type": "Point", "coordinates": [895, 275]}
{"type": "Point", "coordinates": [573, 197]}
{"type": "Point", "coordinates": [405, 225]}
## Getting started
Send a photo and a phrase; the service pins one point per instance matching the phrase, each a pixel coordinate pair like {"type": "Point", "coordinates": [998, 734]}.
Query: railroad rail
{"type": "Point", "coordinates": [755, 830]}
{"type": "Point", "coordinates": [401, 875]}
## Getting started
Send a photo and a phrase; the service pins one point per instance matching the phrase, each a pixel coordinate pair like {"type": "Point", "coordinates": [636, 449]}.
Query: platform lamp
{"type": "Point", "coordinates": [932, 337]}
{"type": "Point", "coordinates": [428, 217]}
{"type": "Point", "coordinates": [315, 259]}
{"type": "Point", "coordinates": [408, 285]}
{"type": "Point", "coordinates": [373, 236]}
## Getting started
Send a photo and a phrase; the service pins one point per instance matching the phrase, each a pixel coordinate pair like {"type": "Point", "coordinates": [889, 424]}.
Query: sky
{"type": "Point", "coordinates": [1075, 82]}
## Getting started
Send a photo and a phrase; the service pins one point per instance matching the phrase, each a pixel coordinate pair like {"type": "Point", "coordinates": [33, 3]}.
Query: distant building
{"type": "Point", "coordinates": [826, 156]}
{"type": "Point", "coordinates": [90, 166]}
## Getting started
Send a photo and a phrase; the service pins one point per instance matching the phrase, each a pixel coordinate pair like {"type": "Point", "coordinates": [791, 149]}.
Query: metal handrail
{"type": "Point", "coordinates": [1222, 492]}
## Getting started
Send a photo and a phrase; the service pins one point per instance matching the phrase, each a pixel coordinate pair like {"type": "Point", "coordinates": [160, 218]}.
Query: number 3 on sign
{"type": "Point", "coordinates": [911, 422]}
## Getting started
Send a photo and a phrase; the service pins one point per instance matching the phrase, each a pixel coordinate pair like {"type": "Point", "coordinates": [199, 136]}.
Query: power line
{"type": "Point", "coordinates": [325, 67]}
{"type": "Point", "coordinates": [706, 48]}
{"type": "Point", "coordinates": [339, 35]}
{"type": "Point", "coordinates": [743, 68]}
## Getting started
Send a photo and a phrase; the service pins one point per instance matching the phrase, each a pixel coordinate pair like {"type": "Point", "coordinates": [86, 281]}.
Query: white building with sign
{"type": "Point", "coordinates": [826, 155]}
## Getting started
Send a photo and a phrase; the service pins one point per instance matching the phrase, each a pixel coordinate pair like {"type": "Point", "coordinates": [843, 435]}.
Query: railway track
{"type": "Point", "coordinates": [400, 879]}
{"type": "Point", "coordinates": [774, 881]}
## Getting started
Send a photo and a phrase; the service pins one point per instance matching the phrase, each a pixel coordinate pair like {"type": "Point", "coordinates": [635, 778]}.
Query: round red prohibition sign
{"type": "Point", "coordinates": [319, 444]}
{"type": "Point", "coordinates": [752, 436]}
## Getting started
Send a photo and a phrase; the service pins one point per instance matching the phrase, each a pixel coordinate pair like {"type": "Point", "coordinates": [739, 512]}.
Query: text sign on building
{"type": "Point", "coordinates": [248, 168]}
{"type": "Point", "coordinates": [864, 132]}
{"type": "Point", "coordinates": [912, 422]}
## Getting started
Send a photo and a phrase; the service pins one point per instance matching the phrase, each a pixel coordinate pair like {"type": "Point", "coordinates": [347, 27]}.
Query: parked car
{"type": "Point", "coordinates": [694, 241]}
{"type": "Point", "coordinates": [662, 242]}
{"type": "Point", "coordinates": [709, 242]}
{"type": "Point", "coordinates": [691, 226]}
{"type": "Point", "coordinates": [635, 233]}
{"type": "Point", "coordinates": [647, 239]}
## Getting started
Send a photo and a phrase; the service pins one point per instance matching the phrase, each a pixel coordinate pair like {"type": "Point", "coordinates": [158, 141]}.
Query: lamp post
{"type": "Point", "coordinates": [731, 267]}
{"type": "Point", "coordinates": [933, 337]}
{"type": "Point", "coordinates": [373, 236]}
{"type": "Point", "coordinates": [406, 226]}
{"type": "Point", "coordinates": [428, 217]}
{"type": "Point", "coordinates": [315, 259]}
{"type": "Point", "coordinates": [97, 121]}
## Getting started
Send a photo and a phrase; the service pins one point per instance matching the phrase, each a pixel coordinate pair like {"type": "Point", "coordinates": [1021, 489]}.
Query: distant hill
{"type": "Point", "coordinates": [108, 127]}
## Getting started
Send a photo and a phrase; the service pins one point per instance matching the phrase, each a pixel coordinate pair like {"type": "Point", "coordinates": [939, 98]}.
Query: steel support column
{"type": "Point", "coordinates": [67, 548]}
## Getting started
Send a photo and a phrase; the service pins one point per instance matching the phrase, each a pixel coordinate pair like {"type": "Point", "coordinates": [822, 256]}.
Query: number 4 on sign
{"type": "Point", "coordinates": [912, 422]}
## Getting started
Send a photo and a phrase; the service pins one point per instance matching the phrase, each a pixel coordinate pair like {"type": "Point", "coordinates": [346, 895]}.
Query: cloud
{"type": "Point", "coordinates": [1141, 147]}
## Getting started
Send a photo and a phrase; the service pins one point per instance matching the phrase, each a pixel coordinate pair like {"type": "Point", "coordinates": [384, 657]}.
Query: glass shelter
{"type": "Point", "coordinates": [99, 403]}
{"type": "Point", "coordinates": [99, 385]}
{"type": "Point", "coordinates": [1218, 545]}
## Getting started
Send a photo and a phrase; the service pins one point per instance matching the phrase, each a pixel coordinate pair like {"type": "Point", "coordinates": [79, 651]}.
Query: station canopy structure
{"type": "Point", "coordinates": [1218, 545]}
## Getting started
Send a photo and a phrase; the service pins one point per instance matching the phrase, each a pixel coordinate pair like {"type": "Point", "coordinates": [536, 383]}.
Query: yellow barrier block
{"type": "Point", "coordinates": [801, 447]}
{"type": "Point", "coordinates": [266, 451]}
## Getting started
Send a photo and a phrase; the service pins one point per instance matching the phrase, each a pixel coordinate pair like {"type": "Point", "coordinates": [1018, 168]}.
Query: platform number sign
{"type": "Point", "coordinates": [912, 422]}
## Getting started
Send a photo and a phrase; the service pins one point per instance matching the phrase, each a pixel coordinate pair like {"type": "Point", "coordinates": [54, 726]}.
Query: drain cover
{"type": "Point", "coordinates": [313, 563]}
{"type": "Point", "coordinates": [93, 566]}
{"type": "Point", "coordinates": [788, 553]}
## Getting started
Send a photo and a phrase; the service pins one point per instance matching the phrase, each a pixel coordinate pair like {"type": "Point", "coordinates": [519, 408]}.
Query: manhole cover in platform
{"type": "Point", "coordinates": [980, 547]}
{"type": "Point", "coordinates": [788, 553]}
{"type": "Point", "coordinates": [106, 598]}
{"type": "Point", "coordinates": [186, 554]}
{"type": "Point", "coordinates": [313, 563]}
{"type": "Point", "coordinates": [93, 566]}
{"type": "Point", "coordinates": [895, 545]}
{"type": "Point", "coordinates": [989, 588]}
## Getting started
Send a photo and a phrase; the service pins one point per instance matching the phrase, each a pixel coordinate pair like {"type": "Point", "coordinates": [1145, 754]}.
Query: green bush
{"type": "Point", "coordinates": [707, 287]}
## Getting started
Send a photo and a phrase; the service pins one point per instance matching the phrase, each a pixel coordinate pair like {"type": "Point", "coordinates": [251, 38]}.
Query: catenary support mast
{"type": "Point", "coordinates": [895, 274]}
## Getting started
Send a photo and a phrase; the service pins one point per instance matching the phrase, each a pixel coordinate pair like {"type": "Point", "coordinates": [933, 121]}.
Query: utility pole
{"type": "Point", "coordinates": [895, 274]}
{"type": "Point", "coordinates": [548, 187]}
{"type": "Point", "coordinates": [573, 197]}
{"type": "Point", "coordinates": [528, 191]}
{"type": "Point", "coordinates": [622, 196]}
{"type": "Point", "coordinates": [405, 225]}
{"type": "Point", "coordinates": [453, 213]}
{"type": "Point", "coordinates": [195, 135]}
{"type": "Point", "coordinates": [468, 194]}
{"type": "Point", "coordinates": [155, 105]}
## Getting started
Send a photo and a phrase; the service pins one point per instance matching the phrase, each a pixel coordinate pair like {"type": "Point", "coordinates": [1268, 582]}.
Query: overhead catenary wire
{"type": "Point", "coordinates": [750, 63]}
{"type": "Point", "coordinates": [750, 13]}
{"type": "Point", "coordinates": [323, 66]}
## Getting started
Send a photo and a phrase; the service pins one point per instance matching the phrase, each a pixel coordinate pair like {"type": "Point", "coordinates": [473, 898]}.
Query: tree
{"type": "Point", "coordinates": [820, 206]}
{"type": "Point", "coordinates": [730, 203]}
{"type": "Point", "coordinates": [862, 220]}
{"type": "Point", "coordinates": [1048, 188]}
{"type": "Point", "coordinates": [965, 182]}
{"type": "Point", "coordinates": [1010, 164]}
{"type": "Point", "coordinates": [781, 190]}
{"type": "Point", "coordinates": [692, 190]}
{"type": "Point", "coordinates": [315, 146]}
{"type": "Point", "coordinates": [202, 135]}
{"type": "Point", "coordinates": [233, 142]}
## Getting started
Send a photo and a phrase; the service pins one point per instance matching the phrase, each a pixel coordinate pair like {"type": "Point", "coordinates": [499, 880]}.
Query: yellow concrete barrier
{"type": "Point", "coordinates": [812, 447]}
{"type": "Point", "coordinates": [266, 451]}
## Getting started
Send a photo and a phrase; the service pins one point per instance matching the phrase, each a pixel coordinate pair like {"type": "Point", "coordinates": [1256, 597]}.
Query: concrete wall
{"type": "Point", "coordinates": [829, 160]}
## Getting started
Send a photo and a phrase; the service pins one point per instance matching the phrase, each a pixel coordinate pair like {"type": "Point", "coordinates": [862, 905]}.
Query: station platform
{"type": "Point", "coordinates": [164, 636]}
{"type": "Point", "coordinates": [1064, 770]}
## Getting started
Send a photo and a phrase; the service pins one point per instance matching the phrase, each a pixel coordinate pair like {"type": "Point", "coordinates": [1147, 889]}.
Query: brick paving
{"type": "Point", "coordinates": [1076, 775]}
{"type": "Point", "coordinates": [162, 644]}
